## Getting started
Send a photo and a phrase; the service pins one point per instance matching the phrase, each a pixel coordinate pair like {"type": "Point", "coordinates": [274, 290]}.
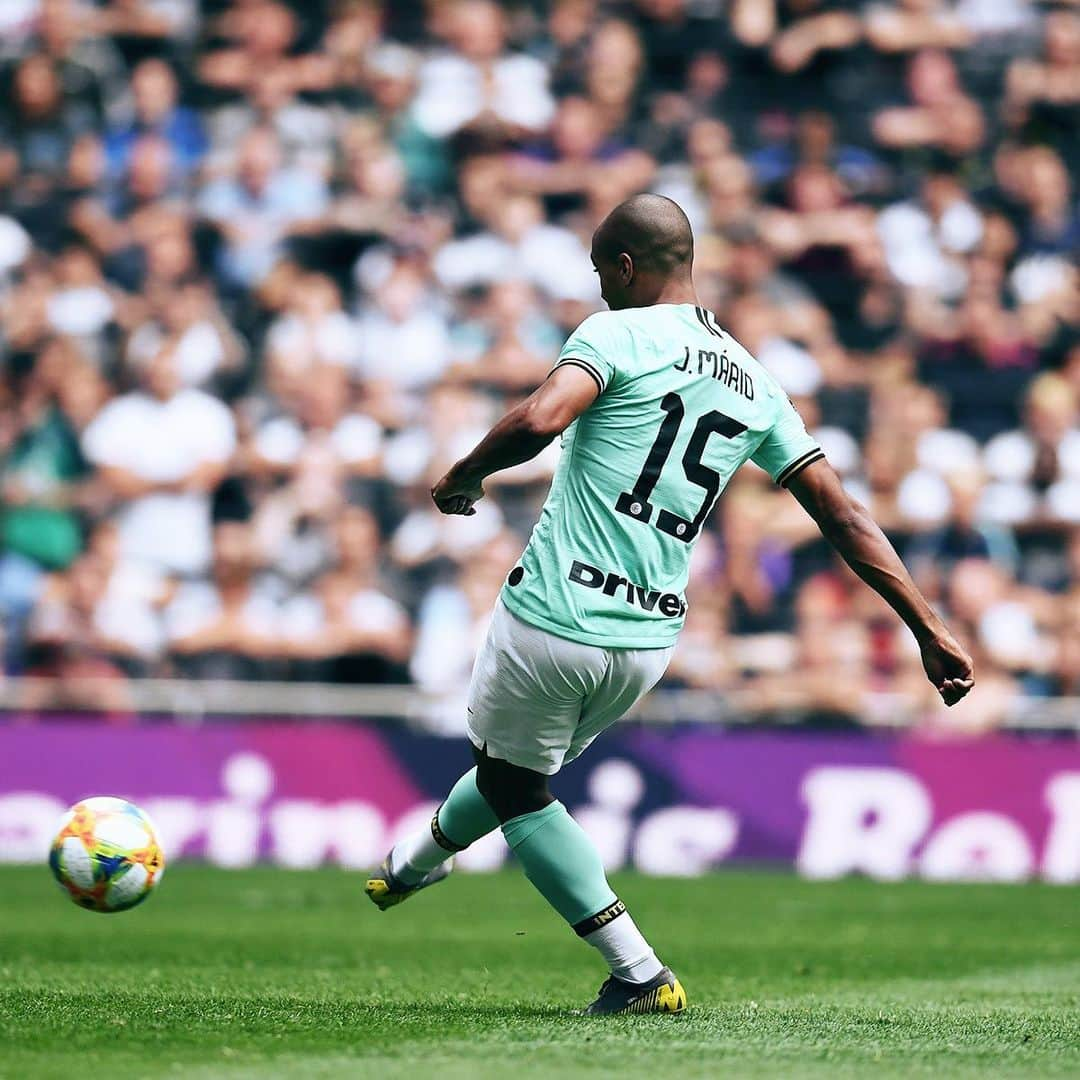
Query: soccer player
{"type": "Point", "coordinates": [657, 407]}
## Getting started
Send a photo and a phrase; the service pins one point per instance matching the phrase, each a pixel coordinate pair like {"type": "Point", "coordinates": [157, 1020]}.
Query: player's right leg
{"type": "Point", "coordinates": [525, 722]}
{"type": "Point", "coordinates": [425, 858]}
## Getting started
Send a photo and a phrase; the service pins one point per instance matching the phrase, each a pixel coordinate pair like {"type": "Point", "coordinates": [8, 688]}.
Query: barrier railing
{"type": "Point", "coordinates": [195, 700]}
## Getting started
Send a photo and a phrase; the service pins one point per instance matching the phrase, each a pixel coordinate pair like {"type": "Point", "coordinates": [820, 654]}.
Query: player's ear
{"type": "Point", "coordinates": [626, 268]}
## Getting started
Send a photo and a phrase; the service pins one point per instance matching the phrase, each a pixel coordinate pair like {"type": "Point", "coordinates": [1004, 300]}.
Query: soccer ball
{"type": "Point", "coordinates": [106, 856]}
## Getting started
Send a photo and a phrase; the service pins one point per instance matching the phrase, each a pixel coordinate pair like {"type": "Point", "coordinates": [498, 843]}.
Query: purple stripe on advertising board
{"type": "Point", "coordinates": [678, 801]}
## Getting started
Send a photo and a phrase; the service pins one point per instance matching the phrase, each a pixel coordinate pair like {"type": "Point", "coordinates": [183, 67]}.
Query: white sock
{"type": "Point", "coordinates": [626, 951]}
{"type": "Point", "coordinates": [416, 856]}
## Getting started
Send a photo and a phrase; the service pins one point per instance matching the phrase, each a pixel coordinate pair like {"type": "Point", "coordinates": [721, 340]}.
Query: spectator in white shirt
{"type": "Point", "coordinates": [453, 620]}
{"type": "Point", "coordinates": [160, 451]}
{"type": "Point", "coordinates": [314, 328]}
{"type": "Point", "coordinates": [478, 84]}
{"type": "Point", "coordinates": [925, 240]}
{"type": "Point", "coordinates": [128, 612]}
{"type": "Point", "coordinates": [517, 242]}
{"type": "Point", "coordinates": [322, 418]}
{"type": "Point", "coordinates": [187, 314]}
{"type": "Point", "coordinates": [227, 627]}
{"type": "Point", "coordinates": [346, 628]}
{"type": "Point", "coordinates": [404, 345]}
{"type": "Point", "coordinates": [319, 451]}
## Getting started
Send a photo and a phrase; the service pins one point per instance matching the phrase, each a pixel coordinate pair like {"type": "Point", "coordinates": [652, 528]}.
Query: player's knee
{"type": "Point", "coordinates": [512, 803]}
{"type": "Point", "coordinates": [509, 790]}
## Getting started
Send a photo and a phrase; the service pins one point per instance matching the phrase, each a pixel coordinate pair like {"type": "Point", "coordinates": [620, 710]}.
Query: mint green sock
{"type": "Point", "coordinates": [560, 860]}
{"type": "Point", "coordinates": [465, 815]}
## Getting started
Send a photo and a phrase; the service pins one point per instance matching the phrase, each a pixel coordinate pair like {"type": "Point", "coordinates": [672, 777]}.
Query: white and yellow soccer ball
{"type": "Point", "coordinates": [106, 856]}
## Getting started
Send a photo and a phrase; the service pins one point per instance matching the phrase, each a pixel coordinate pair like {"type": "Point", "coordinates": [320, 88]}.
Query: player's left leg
{"type": "Point", "coordinates": [565, 867]}
{"type": "Point", "coordinates": [629, 676]}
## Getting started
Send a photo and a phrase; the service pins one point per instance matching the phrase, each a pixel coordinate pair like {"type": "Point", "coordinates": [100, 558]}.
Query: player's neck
{"type": "Point", "coordinates": [674, 292]}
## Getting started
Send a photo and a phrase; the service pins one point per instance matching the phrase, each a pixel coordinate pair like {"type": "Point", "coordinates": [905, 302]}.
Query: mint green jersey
{"type": "Point", "coordinates": [682, 405]}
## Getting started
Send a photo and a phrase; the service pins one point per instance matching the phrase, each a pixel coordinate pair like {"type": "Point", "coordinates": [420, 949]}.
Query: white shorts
{"type": "Point", "coordinates": [537, 700]}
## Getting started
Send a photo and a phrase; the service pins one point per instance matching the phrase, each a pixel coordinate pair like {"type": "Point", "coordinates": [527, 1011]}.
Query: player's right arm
{"type": "Point", "coordinates": [519, 436]}
{"type": "Point", "coordinates": [848, 526]}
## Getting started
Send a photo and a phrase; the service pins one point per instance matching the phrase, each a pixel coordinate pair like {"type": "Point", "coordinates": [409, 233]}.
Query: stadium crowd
{"type": "Point", "coordinates": [267, 269]}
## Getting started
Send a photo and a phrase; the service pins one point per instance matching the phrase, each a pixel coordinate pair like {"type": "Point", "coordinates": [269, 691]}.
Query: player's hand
{"type": "Point", "coordinates": [454, 494]}
{"type": "Point", "coordinates": [947, 666]}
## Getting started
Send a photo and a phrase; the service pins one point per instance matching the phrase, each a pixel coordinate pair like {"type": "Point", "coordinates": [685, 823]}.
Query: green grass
{"type": "Point", "coordinates": [269, 973]}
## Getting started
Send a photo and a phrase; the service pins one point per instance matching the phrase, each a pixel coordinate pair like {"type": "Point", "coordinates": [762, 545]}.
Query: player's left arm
{"type": "Point", "coordinates": [519, 436]}
{"type": "Point", "coordinates": [848, 526]}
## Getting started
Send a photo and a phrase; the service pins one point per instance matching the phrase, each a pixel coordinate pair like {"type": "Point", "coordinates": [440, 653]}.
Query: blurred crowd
{"type": "Point", "coordinates": [268, 268]}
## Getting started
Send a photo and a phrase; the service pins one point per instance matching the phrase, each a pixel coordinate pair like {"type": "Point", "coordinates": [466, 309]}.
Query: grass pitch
{"type": "Point", "coordinates": [269, 973]}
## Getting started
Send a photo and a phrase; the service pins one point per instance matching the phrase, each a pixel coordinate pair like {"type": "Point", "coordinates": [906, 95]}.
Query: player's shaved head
{"type": "Point", "coordinates": [644, 251]}
{"type": "Point", "coordinates": [652, 230]}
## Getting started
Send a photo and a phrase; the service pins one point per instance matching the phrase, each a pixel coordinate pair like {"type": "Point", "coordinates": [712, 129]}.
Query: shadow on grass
{"type": "Point", "coordinates": [33, 1020]}
{"type": "Point", "coordinates": [53, 1006]}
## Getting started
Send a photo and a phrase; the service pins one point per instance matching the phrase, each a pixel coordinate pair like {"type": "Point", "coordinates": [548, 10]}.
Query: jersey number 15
{"type": "Point", "coordinates": [635, 502]}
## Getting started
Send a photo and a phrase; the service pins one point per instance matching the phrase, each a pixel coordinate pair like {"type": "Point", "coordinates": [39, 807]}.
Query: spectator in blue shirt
{"type": "Point", "coordinates": [156, 111]}
{"type": "Point", "coordinates": [259, 206]}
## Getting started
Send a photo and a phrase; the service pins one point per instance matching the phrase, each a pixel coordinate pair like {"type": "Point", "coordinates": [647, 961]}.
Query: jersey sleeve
{"type": "Point", "coordinates": [787, 447]}
{"type": "Point", "coordinates": [591, 347]}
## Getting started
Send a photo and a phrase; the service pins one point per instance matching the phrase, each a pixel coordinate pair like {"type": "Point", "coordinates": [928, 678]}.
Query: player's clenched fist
{"type": "Point", "coordinates": [455, 494]}
{"type": "Point", "coordinates": [948, 667]}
